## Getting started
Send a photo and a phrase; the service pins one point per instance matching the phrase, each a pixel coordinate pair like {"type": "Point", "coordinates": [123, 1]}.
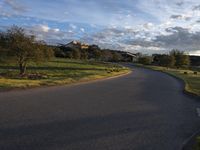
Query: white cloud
{"type": "Point", "coordinates": [82, 29]}
{"type": "Point", "coordinates": [148, 26]}
{"type": "Point", "coordinates": [73, 26]}
{"type": "Point", "coordinates": [44, 28]}
{"type": "Point", "coordinates": [9, 8]}
{"type": "Point", "coordinates": [56, 30]}
{"type": "Point", "coordinates": [15, 5]}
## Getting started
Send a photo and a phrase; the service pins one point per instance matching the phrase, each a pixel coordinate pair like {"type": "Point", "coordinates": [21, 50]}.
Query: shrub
{"type": "Point", "coordinates": [76, 54]}
{"type": "Point", "coordinates": [182, 60]}
{"type": "Point", "coordinates": [145, 60]}
{"type": "Point", "coordinates": [167, 60]}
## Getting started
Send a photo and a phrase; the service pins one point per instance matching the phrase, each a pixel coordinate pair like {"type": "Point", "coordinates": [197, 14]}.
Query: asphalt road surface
{"type": "Point", "coordinates": [144, 110]}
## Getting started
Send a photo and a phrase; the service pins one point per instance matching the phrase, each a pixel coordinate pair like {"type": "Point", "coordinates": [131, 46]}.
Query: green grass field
{"type": "Point", "coordinates": [192, 81]}
{"type": "Point", "coordinates": [57, 72]}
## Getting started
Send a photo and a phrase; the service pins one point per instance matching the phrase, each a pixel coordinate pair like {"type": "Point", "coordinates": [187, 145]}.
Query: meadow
{"type": "Point", "coordinates": [56, 72]}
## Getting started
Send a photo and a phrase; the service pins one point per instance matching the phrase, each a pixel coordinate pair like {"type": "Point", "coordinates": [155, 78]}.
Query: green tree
{"type": "Point", "coordinates": [94, 52]}
{"type": "Point", "coordinates": [167, 60]}
{"type": "Point", "coordinates": [182, 60]}
{"type": "Point", "coordinates": [145, 60]}
{"type": "Point", "coordinates": [116, 57]}
{"type": "Point", "coordinates": [84, 54]}
{"type": "Point", "coordinates": [76, 53]}
{"type": "Point", "coordinates": [2, 45]}
{"type": "Point", "coordinates": [24, 48]}
{"type": "Point", "coordinates": [69, 54]}
{"type": "Point", "coordinates": [58, 52]}
{"type": "Point", "coordinates": [97, 54]}
{"type": "Point", "coordinates": [106, 55]}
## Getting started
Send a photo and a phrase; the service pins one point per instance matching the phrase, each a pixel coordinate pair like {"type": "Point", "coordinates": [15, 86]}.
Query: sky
{"type": "Point", "coordinates": [146, 26]}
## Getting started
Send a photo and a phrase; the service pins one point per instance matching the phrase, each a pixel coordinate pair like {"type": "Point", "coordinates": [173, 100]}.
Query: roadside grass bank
{"type": "Point", "coordinates": [191, 77]}
{"type": "Point", "coordinates": [196, 145]}
{"type": "Point", "coordinates": [57, 72]}
{"type": "Point", "coordinates": [193, 143]}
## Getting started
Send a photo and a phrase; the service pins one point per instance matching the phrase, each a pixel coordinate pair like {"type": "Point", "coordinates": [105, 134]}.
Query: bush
{"type": "Point", "coordinates": [195, 73]}
{"type": "Point", "coordinates": [59, 53]}
{"type": "Point", "coordinates": [116, 57]}
{"type": "Point", "coordinates": [76, 54]}
{"type": "Point", "coordinates": [145, 60]}
{"type": "Point", "coordinates": [182, 60]}
{"type": "Point", "coordinates": [36, 76]}
{"type": "Point", "coordinates": [84, 54]}
{"type": "Point", "coordinates": [167, 61]}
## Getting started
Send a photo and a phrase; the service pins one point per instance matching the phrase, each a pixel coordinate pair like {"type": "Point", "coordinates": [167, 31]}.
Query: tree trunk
{"type": "Point", "coordinates": [22, 68]}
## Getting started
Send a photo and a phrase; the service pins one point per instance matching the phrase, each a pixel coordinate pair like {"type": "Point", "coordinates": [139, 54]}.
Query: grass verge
{"type": "Point", "coordinates": [191, 77]}
{"type": "Point", "coordinates": [57, 72]}
{"type": "Point", "coordinates": [196, 146]}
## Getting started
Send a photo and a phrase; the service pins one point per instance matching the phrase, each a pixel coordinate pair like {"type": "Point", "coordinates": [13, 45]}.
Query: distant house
{"type": "Point", "coordinates": [130, 57]}
{"type": "Point", "coordinates": [76, 44]}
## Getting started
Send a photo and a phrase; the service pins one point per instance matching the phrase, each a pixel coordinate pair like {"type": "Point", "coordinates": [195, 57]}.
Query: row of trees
{"type": "Point", "coordinates": [175, 58]}
{"type": "Point", "coordinates": [22, 48]}
{"type": "Point", "coordinates": [93, 52]}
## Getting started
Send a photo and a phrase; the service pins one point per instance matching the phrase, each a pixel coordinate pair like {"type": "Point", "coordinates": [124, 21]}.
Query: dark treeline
{"type": "Point", "coordinates": [195, 60]}
{"type": "Point", "coordinates": [175, 58]}
{"type": "Point", "coordinates": [92, 52]}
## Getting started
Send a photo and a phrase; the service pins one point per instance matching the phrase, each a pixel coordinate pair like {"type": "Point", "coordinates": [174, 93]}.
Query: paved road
{"type": "Point", "coordinates": [144, 110]}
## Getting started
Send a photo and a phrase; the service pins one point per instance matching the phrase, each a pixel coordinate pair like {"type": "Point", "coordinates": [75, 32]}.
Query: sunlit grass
{"type": "Point", "coordinates": [57, 72]}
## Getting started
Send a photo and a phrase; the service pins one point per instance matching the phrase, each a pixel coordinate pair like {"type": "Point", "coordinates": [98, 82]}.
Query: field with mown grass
{"type": "Point", "coordinates": [56, 72]}
{"type": "Point", "coordinates": [191, 77]}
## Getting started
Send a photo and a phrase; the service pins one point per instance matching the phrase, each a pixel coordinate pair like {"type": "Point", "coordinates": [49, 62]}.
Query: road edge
{"type": "Point", "coordinates": [185, 91]}
{"type": "Point", "coordinates": [69, 84]}
{"type": "Point", "coordinates": [190, 140]}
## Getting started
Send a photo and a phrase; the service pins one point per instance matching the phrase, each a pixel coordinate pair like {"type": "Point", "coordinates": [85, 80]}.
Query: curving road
{"type": "Point", "coordinates": [144, 110]}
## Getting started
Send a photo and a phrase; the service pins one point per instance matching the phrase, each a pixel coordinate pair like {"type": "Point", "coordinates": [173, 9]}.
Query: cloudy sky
{"type": "Point", "coordinates": [148, 26]}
